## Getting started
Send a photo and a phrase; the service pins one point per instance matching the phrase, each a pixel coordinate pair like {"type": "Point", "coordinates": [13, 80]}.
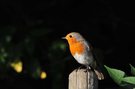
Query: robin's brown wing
{"type": "Point", "coordinates": [97, 64]}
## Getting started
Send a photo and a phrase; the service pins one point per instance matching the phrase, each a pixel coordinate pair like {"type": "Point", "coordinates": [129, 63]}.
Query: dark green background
{"type": "Point", "coordinates": [35, 29]}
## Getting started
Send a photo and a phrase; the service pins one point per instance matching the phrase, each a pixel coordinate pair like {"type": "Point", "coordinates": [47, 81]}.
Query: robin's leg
{"type": "Point", "coordinates": [88, 68]}
{"type": "Point", "coordinates": [79, 68]}
{"type": "Point", "coordinates": [99, 74]}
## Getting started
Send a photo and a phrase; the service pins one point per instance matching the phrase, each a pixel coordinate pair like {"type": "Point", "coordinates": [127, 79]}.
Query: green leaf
{"type": "Point", "coordinates": [115, 74]}
{"type": "Point", "coordinates": [130, 80]}
{"type": "Point", "coordinates": [132, 69]}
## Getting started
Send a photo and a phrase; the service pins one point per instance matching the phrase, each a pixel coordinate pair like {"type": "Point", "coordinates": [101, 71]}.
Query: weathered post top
{"type": "Point", "coordinates": [82, 79]}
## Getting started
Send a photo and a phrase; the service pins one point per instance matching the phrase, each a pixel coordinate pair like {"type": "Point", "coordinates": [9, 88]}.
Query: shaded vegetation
{"type": "Point", "coordinates": [121, 78]}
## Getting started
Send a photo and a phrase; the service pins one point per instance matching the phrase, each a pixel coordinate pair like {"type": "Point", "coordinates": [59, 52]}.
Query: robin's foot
{"type": "Point", "coordinates": [79, 68]}
{"type": "Point", "coordinates": [88, 68]}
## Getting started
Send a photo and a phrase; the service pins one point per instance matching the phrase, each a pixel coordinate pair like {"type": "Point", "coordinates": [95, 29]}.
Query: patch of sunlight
{"type": "Point", "coordinates": [43, 75]}
{"type": "Point", "coordinates": [17, 66]}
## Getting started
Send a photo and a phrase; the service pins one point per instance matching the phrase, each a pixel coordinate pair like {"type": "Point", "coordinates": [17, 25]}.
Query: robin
{"type": "Point", "coordinates": [82, 51]}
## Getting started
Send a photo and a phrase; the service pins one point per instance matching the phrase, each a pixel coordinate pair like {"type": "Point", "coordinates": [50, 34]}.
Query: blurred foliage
{"type": "Point", "coordinates": [55, 54]}
{"type": "Point", "coordinates": [15, 50]}
{"type": "Point", "coordinates": [30, 32]}
{"type": "Point", "coordinates": [32, 54]}
{"type": "Point", "coordinates": [120, 78]}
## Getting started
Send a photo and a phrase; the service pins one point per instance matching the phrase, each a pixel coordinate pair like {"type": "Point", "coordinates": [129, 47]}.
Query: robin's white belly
{"type": "Point", "coordinates": [83, 59]}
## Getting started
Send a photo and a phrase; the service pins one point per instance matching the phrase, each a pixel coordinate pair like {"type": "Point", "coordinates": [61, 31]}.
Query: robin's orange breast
{"type": "Point", "coordinates": [77, 47]}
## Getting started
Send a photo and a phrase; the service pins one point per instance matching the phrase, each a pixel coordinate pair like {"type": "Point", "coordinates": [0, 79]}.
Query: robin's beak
{"type": "Point", "coordinates": [63, 38]}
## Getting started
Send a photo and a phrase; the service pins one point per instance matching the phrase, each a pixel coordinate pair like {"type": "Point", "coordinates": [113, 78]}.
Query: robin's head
{"type": "Point", "coordinates": [73, 37]}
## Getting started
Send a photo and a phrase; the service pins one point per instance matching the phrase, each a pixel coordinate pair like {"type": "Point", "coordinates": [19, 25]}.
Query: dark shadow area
{"type": "Point", "coordinates": [30, 33]}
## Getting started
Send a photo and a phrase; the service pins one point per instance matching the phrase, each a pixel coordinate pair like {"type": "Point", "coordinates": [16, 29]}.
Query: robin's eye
{"type": "Point", "coordinates": [70, 36]}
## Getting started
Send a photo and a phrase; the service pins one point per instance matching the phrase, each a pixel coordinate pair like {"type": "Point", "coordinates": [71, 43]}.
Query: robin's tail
{"type": "Point", "coordinates": [99, 74]}
{"type": "Point", "coordinates": [97, 71]}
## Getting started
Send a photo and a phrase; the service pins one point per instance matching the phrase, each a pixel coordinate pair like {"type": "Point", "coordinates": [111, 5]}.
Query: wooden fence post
{"type": "Point", "coordinates": [82, 79]}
